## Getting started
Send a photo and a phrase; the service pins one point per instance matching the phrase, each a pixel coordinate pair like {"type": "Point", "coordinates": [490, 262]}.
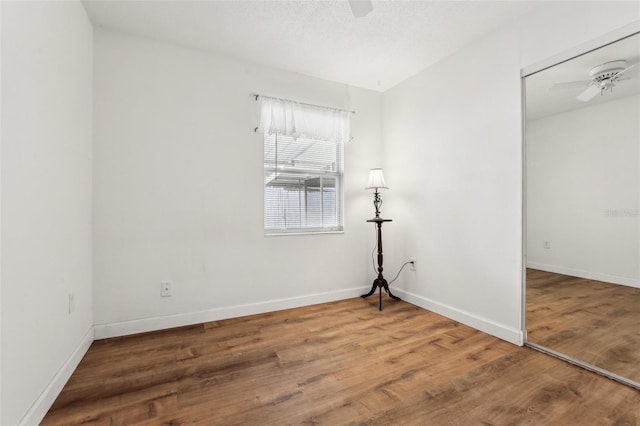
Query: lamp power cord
{"type": "Point", "coordinates": [398, 274]}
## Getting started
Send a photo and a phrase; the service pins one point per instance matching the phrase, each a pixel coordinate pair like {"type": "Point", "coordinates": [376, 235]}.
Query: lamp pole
{"type": "Point", "coordinates": [379, 283]}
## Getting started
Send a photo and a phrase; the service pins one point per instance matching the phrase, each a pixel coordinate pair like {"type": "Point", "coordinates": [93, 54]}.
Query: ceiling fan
{"type": "Point", "coordinates": [360, 8]}
{"type": "Point", "coordinates": [603, 77]}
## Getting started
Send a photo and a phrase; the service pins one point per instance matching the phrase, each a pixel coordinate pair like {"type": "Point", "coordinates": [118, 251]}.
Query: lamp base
{"type": "Point", "coordinates": [380, 283]}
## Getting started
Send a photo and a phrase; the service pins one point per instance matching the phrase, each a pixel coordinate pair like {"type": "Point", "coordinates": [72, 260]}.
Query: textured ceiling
{"type": "Point", "coordinates": [317, 38]}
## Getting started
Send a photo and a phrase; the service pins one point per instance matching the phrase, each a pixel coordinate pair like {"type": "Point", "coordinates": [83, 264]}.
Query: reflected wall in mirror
{"type": "Point", "coordinates": [582, 150]}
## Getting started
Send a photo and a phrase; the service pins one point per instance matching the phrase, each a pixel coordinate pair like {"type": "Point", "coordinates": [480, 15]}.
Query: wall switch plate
{"type": "Point", "coordinates": [413, 265]}
{"type": "Point", "coordinates": [165, 289]}
{"type": "Point", "coordinates": [72, 303]}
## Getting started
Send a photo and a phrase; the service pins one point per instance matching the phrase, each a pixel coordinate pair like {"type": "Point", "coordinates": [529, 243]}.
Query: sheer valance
{"type": "Point", "coordinates": [299, 120]}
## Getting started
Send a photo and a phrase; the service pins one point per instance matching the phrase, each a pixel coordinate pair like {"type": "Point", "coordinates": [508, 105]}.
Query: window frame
{"type": "Point", "coordinates": [338, 175]}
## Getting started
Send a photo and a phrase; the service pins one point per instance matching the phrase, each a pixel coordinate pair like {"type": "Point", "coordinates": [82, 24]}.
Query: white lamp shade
{"type": "Point", "coordinates": [376, 179]}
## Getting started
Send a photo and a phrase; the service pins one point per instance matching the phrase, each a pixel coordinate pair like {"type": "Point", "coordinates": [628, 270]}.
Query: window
{"type": "Point", "coordinates": [302, 185]}
{"type": "Point", "coordinates": [302, 165]}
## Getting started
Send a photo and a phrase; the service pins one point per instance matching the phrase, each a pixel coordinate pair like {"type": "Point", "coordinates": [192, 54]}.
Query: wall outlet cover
{"type": "Point", "coordinates": [165, 289]}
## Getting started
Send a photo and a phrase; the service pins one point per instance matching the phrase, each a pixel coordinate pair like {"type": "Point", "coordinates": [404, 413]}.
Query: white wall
{"type": "Point", "coordinates": [46, 201]}
{"type": "Point", "coordinates": [1, 120]}
{"type": "Point", "coordinates": [178, 190]}
{"type": "Point", "coordinates": [453, 153]}
{"type": "Point", "coordinates": [583, 183]}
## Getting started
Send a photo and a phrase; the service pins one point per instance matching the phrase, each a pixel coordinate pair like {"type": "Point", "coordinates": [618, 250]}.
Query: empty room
{"type": "Point", "coordinates": [320, 212]}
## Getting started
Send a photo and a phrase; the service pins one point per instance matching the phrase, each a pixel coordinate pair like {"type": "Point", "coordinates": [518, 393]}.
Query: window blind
{"type": "Point", "coordinates": [302, 184]}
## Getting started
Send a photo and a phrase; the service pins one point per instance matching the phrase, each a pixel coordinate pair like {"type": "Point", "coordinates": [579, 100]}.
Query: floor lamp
{"type": "Point", "coordinates": [376, 182]}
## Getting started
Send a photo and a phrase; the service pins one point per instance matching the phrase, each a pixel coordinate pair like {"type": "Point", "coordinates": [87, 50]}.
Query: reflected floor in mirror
{"type": "Point", "coordinates": [591, 321]}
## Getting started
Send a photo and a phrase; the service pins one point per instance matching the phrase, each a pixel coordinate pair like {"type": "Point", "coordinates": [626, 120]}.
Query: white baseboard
{"type": "Point", "coordinates": [590, 275]}
{"type": "Point", "coordinates": [104, 331]}
{"type": "Point", "coordinates": [48, 396]}
{"type": "Point", "coordinates": [500, 331]}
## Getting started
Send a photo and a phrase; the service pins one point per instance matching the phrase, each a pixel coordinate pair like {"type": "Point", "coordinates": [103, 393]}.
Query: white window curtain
{"type": "Point", "coordinates": [298, 120]}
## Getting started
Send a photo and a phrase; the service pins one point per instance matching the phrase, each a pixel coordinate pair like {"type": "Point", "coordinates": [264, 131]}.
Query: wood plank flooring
{"type": "Point", "coordinates": [336, 363]}
{"type": "Point", "coordinates": [592, 321]}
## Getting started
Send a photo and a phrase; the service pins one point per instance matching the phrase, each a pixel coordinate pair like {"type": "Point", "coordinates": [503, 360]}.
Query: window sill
{"type": "Point", "coordinates": [280, 234]}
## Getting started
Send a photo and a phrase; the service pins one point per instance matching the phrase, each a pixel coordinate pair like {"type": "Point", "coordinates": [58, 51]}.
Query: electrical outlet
{"type": "Point", "coordinates": [546, 244]}
{"type": "Point", "coordinates": [72, 303]}
{"type": "Point", "coordinates": [165, 289]}
{"type": "Point", "coordinates": [413, 264]}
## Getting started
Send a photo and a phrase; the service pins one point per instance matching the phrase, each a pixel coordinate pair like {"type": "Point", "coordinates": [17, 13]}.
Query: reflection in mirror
{"type": "Point", "coordinates": [582, 142]}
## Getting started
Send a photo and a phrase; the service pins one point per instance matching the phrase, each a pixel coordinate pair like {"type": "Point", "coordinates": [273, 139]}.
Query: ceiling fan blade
{"type": "Point", "coordinates": [588, 94]}
{"type": "Point", "coordinates": [360, 8]}
{"type": "Point", "coordinates": [570, 85]}
{"type": "Point", "coordinates": [621, 73]}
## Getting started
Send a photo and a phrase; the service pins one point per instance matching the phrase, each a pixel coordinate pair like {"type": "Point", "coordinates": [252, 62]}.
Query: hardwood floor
{"type": "Point", "coordinates": [337, 363]}
{"type": "Point", "coordinates": [592, 321]}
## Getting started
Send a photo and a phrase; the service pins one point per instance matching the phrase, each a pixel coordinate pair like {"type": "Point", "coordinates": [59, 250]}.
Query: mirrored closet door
{"type": "Point", "coordinates": [582, 207]}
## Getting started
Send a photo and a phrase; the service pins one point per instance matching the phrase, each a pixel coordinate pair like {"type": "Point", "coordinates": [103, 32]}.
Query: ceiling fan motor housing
{"type": "Point", "coordinates": [607, 71]}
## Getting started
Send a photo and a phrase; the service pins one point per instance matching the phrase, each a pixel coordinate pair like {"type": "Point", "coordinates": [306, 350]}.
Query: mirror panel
{"type": "Point", "coordinates": [582, 165]}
